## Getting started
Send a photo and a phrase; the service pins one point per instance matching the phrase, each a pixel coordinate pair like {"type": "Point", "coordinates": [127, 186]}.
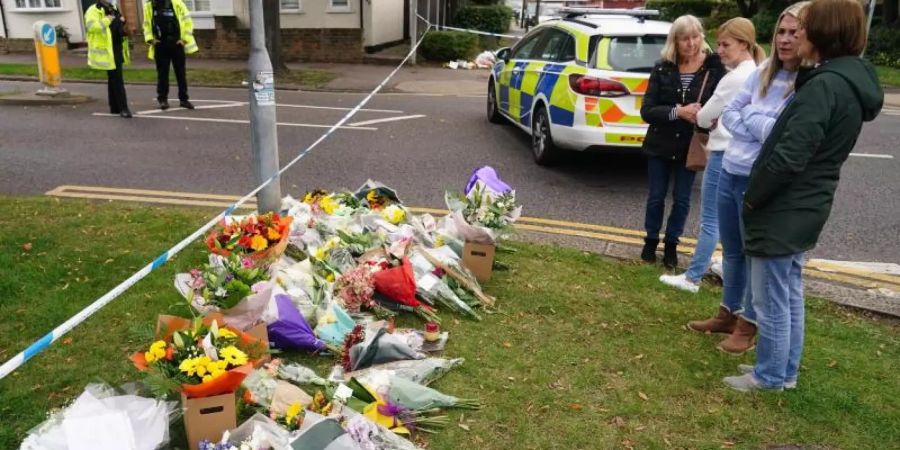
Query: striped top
{"type": "Point", "coordinates": [686, 79]}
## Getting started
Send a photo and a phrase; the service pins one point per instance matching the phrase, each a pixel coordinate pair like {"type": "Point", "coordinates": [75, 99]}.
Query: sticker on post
{"type": "Point", "coordinates": [264, 89]}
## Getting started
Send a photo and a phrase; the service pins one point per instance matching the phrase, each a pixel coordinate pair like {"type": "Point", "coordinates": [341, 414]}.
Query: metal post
{"type": "Point", "coordinates": [413, 34]}
{"type": "Point", "coordinates": [263, 131]}
{"type": "Point", "coordinates": [871, 13]}
{"type": "Point", "coordinates": [428, 10]}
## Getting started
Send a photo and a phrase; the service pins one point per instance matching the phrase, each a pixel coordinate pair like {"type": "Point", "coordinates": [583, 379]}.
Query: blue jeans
{"type": "Point", "coordinates": [659, 171]}
{"type": "Point", "coordinates": [735, 289]}
{"type": "Point", "coordinates": [777, 285]}
{"type": "Point", "coordinates": [709, 218]}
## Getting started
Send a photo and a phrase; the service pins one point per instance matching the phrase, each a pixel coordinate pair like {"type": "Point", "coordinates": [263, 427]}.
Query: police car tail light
{"type": "Point", "coordinates": [596, 87]}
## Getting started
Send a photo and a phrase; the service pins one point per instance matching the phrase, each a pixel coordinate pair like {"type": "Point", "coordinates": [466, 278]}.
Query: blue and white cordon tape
{"type": "Point", "coordinates": [15, 362]}
{"type": "Point", "coordinates": [467, 30]}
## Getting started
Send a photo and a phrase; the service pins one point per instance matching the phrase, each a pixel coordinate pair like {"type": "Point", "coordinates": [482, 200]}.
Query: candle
{"type": "Point", "coordinates": [432, 331]}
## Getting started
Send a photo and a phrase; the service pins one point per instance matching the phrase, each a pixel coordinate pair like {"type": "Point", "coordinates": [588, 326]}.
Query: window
{"type": "Point", "coordinates": [197, 5]}
{"type": "Point", "coordinates": [25, 4]}
{"type": "Point", "coordinates": [526, 47]}
{"type": "Point", "coordinates": [340, 4]}
{"type": "Point", "coordinates": [290, 5]}
{"type": "Point", "coordinates": [558, 46]}
{"type": "Point", "coordinates": [635, 53]}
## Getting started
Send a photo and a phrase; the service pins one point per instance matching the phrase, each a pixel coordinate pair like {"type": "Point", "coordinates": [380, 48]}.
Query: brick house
{"type": "Point", "coordinates": [312, 30]}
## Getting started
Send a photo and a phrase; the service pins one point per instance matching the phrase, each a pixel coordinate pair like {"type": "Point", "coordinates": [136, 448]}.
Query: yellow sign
{"type": "Point", "coordinates": [47, 54]}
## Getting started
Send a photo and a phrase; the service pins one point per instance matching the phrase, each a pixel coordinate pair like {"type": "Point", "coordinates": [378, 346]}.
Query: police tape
{"type": "Point", "coordinates": [41, 344]}
{"type": "Point", "coordinates": [467, 30]}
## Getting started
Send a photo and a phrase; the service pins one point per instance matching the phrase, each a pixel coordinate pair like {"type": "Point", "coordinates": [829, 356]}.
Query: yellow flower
{"type": "Point", "coordinates": [233, 356]}
{"type": "Point", "coordinates": [202, 367]}
{"type": "Point", "coordinates": [259, 243]}
{"type": "Point", "coordinates": [157, 351]}
{"type": "Point", "coordinates": [372, 196]}
{"type": "Point", "coordinates": [293, 412]}
{"type": "Point", "coordinates": [328, 205]}
{"type": "Point", "coordinates": [188, 366]}
{"type": "Point", "coordinates": [439, 241]}
{"type": "Point", "coordinates": [308, 198]}
{"type": "Point", "coordinates": [329, 278]}
{"type": "Point", "coordinates": [273, 234]}
{"type": "Point", "coordinates": [225, 333]}
{"type": "Point", "coordinates": [393, 214]}
{"type": "Point", "coordinates": [319, 253]}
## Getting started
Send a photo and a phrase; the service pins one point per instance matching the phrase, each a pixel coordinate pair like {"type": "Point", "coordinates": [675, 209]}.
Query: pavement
{"type": "Point", "coordinates": [423, 78]}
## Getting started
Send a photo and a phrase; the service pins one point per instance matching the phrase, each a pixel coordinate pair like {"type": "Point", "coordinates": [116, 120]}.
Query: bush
{"type": "Point", "coordinates": [765, 21]}
{"type": "Point", "coordinates": [493, 19]}
{"type": "Point", "coordinates": [448, 45]}
{"type": "Point", "coordinates": [671, 9]}
{"type": "Point", "coordinates": [884, 46]}
{"type": "Point", "coordinates": [721, 13]}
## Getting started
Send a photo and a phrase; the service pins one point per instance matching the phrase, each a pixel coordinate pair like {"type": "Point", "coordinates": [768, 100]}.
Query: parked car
{"type": "Point", "coordinates": [577, 83]}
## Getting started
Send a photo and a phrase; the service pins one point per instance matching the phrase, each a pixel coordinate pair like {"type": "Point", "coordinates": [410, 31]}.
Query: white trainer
{"type": "Point", "coordinates": [680, 282]}
{"type": "Point", "coordinates": [747, 368]}
{"type": "Point", "coordinates": [716, 266]}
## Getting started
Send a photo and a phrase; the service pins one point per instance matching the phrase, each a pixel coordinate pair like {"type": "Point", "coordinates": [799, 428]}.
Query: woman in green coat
{"type": "Point", "coordinates": [792, 183]}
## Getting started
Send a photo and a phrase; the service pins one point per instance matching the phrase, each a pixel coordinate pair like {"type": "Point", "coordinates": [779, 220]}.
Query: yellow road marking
{"type": "Point", "coordinates": [816, 269]}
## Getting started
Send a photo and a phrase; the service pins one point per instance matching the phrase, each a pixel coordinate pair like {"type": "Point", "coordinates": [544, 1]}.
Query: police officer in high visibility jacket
{"type": "Point", "coordinates": [107, 41]}
{"type": "Point", "coordinates": [169, 34]}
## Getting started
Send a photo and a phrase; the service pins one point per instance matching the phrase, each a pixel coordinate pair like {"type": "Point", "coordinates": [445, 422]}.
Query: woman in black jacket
{"type": "Point", "coordinates": [670, 106]}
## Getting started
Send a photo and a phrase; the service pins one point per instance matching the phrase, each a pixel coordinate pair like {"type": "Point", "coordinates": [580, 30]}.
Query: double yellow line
{"type": "Point", "coordinates": [817, 269]}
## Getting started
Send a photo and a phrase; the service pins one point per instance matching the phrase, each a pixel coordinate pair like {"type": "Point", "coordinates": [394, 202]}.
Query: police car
{"type": "Point", "coordinates": [577, 83]}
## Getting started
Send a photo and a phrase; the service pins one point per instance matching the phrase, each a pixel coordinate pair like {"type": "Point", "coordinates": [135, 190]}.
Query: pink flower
{"type": "Point", "coordinates": [246, 263]}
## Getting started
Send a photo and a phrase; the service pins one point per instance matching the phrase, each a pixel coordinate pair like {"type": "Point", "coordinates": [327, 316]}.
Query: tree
{"type": "Point", "coordinates": [748, 8]}
{"type": "Point", "coordinates": [891, 9]}
{"type": "Point", "coordinates": [272, 20]}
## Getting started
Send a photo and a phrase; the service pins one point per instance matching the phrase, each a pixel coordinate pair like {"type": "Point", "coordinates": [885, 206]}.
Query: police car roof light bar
{"type": "Point", "coordinates": [641, 14]}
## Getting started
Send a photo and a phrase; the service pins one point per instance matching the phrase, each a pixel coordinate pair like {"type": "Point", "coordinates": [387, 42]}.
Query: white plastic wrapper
{"type": "Point", "coordinates": [103, 418]}
{"type": "Point", "coordinates": [261, 432]}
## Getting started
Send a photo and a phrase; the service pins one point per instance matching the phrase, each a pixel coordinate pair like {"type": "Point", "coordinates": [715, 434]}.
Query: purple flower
{"type": "Point", "coordinates": [228, 277]}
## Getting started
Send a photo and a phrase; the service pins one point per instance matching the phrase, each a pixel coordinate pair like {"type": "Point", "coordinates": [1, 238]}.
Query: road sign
{"type": "Point", "coordinates": [47, 54]}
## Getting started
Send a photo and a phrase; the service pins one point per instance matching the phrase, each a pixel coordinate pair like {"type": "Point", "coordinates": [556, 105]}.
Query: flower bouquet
{"type": "Point", "coordinates": [197, 357]}
{"type": "Point", "coordinates": [262, 237]}
{"type": "Point", "coordinates": [224, 282]}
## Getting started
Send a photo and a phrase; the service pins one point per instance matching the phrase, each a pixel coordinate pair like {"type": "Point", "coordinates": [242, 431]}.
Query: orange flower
{"type": "Point", "coordinates": [273, 234]}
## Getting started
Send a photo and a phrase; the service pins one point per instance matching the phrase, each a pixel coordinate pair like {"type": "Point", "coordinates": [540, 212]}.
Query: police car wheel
{"type": "Point", "coordinates": [542, 146]}
{"type": "Point", "coordinates": [493, 114]}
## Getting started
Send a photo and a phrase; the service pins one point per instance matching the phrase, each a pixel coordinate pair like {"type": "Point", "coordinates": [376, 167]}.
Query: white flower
{"type": "Point", "coordinates": [221, 292]}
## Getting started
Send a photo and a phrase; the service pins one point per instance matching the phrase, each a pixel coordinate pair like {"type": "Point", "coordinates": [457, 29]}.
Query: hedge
{"type": "Point", "coordinates": [493, 19]}
{"type": "Point", "coordinates": [448, 45]}
{"type": "Point", "coordinates": [671, 9]}
{"type": "Point", "coordinates": [884, 46]}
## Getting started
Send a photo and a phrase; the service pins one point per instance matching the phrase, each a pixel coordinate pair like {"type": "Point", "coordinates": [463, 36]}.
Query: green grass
{"type": "Point", "coordinates": [305, 78]}
{"type": "Point", "coordinates": [577, 343]}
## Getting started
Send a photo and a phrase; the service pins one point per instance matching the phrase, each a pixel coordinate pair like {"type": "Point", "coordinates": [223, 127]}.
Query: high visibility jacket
{"type": "Point", "coordinates": [100, 42]}
{"type": "Point", "coordinates": [185, 26]}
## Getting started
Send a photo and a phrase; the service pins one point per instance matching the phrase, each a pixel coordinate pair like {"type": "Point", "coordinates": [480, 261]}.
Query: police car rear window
{"type": "Point", "coordinates": [635, 53]}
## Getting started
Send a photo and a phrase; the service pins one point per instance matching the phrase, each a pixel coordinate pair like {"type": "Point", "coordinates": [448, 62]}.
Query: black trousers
{"type": "Point", "coordinates": [170, 54]}
{"type": "Point", "coordinates": [115, 85]}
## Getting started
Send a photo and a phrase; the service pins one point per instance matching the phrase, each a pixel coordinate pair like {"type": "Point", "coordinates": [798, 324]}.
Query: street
{"type": "Point", "coordinates": [419, 144]}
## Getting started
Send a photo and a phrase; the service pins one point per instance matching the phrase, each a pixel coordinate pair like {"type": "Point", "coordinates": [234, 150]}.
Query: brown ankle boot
{"type": "Point", "coordinates": [742, 340]}
{"type": "Point", "coordinates": [723, 323]}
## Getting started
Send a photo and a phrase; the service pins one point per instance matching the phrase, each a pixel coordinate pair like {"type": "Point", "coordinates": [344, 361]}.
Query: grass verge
{"type": "Point", "coordinates": [584, 353]}
{"type": "Point", "coordinates": [226, 78]}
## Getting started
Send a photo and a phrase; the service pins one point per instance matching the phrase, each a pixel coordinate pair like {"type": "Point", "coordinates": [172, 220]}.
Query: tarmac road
{"type": "Point", "coordinates": [419, 144]}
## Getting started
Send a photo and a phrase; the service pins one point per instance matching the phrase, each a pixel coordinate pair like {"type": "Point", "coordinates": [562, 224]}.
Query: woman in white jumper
{"type": "Point", "coordinates": [740, 53]}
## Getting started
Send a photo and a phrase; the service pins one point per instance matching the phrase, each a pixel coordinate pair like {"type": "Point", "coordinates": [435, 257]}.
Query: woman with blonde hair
{"type": "Point", "coordinates": [740, 53]}
{"type": "Point", "coordinates": [792, 183]}
{"type": "Point", "coordinates": [749, 118]}
{"type": "Point", "coordinates": [680, 84]}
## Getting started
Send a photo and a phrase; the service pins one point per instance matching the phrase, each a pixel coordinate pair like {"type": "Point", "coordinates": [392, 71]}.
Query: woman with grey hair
{"type": "Point", "coordinates": [680, 84]}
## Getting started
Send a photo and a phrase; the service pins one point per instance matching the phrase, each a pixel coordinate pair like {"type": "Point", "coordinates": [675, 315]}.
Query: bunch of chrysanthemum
{"type": "Point", "coordinates": [194, 356]}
